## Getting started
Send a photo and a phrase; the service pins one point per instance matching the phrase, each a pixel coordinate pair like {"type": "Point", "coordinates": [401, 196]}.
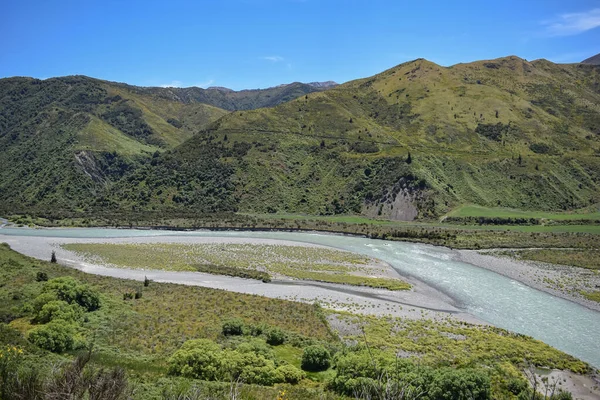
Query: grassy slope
{"type": "Point", "coordinates": [343, 150]}
{"type": "Point", "coordinates": [501, 133]}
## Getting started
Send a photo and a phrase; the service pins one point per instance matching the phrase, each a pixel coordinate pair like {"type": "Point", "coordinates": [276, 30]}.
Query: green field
{"type": "Point", "coordinates": [478, 211]}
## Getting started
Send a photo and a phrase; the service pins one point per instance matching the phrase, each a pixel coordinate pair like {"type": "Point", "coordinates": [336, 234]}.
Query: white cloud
{"type": "Point", "coordinates": [180, 84]}
{"type": "Point", "coordinates": [204, 84]}
{"type": "Point", "coordinates": [274, 58]}
{"type": "Point", "coordinates": [573, 23]}
{"type": "Point", "coordinates": [172, 84]}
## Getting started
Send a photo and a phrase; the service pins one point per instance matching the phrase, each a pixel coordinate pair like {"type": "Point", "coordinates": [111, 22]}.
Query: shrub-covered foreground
{"type": "Point", "coordinates": [178, 342]}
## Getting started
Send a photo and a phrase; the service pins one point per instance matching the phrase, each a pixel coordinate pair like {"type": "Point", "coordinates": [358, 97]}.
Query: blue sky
{"type": "Point", "coordinates": [245, 44]}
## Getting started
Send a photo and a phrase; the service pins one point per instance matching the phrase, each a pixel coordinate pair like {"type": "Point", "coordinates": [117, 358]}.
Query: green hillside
{"type": "Point", "coordinates": [501, 133]}
{"type": "Point", "coordinates": [64, 140]}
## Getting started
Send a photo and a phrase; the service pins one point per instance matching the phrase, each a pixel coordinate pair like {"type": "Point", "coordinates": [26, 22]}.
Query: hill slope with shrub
{"type": "Point", "coordinates": [412, 142]}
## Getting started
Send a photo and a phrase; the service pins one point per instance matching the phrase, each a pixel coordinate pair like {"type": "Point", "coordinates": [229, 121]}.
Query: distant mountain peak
{"type": "Point", "coordinates": [323, 85]}
{"type": "Point", "coordinates": [221, 88]}
{"type": "Point", "coordinates": [594, 60]}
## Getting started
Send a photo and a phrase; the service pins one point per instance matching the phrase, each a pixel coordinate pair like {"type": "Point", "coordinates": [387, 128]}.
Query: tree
{"type": "Point", "coordinates": [315, 358]}
{"type": "Point", "coordinates": [146, 281]}
{"type": "Point", "coordinates": [53, 257]}
{"type": "Point", "coordinates": [409, 158]}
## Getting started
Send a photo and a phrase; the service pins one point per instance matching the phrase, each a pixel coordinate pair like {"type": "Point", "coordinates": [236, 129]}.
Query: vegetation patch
{"type": "Point", "coordinates": [245, 260]}
{"type": "Point", "coordinates": [584, 258]}
{"type": "Point", "coordinates": [592, 295]}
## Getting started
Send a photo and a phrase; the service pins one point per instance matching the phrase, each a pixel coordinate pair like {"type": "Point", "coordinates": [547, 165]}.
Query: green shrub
{"type": "Point", "coordinates": [255, 345]}
{"type": "Point", "coordinates": [71, 290]}
{"type": "Point", "coordinates": [59, 310]}
{"type": "Point", "coordinates": [315, 358]}
{"type": "Point", "coordinates": [56, 336]}
{"type": "Point", "coordinates": [257, 330]}
{"type": "Point", "coordinates": [41, 276]}
{"type": "Point", "coordinates": [233, 327]}
{"type": "Point", "coordinates": [459, 384]}
{"type": "Point", "coordinates": [291, 374]}
{"type": "Point", "coordinates": [249, 367]}
{"type": "Point", "coordinates": [275, 336]}
{"type": "Point", "coordinates": [204, 359]}
{"type": "Point", "coordinates": [35, 305]}
{"type": "Point", "coordinates": [198, 359]}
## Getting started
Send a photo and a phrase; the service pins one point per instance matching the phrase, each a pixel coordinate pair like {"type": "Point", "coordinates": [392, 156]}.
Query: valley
{"type": "Point", "coordinates": [421, 227]}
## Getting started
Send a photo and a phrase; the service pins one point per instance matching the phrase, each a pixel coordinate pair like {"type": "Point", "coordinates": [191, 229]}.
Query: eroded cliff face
{"type": "Point", "coordinates": [401, 202]}
{"type": "Point", "coordinates": [87, 163]}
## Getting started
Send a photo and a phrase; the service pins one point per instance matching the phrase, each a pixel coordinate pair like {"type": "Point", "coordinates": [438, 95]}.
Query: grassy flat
{"type": "Point", "coordinates": [584, 258]}
{"type": "Point", "coordinates": [479, 211]}
{"type": "Point", "coordinates": [298, 262]}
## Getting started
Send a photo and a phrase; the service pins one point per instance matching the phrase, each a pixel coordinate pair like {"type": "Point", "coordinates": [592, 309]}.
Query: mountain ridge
{"type": "Point", "coordinates": [594, 60]}
{"type": "Point", "coordinates": [503, 132]}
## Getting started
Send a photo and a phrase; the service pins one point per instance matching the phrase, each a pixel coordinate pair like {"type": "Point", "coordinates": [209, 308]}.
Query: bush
{"type": "Point", "coordinates": [198, 359]}
{"type": "Point", "coordinates": [71, 290]}
{"type": "Point", "coordinates": [59, 310]}
{"type": "Point", "coordinates": [204, 359]}
{"type": "Point", "coordinates": [233, 327]}
{"type": "Point", "coordinates": [315, 358]}
{"type": "Point", "coordinates": [453, 384]}
{"type": "Point", "coordinates": [275, 336]}
{"type": "Point", "coordinates": [255, 345]}
{"type": "Point", "coordinates": [249, 367]}
{"type": "Point", "coordinates": [291, 374]}
{"type": "Point", "coordinates": [41, 276]}
{"type": "Point", "coordinates": [56, 336]}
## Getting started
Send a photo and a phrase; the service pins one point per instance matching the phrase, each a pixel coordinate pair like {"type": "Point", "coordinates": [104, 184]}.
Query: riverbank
{"type": "Point", "coordinates": [421, 302]}
{"type": "Point", "coordinates": [558, 280]}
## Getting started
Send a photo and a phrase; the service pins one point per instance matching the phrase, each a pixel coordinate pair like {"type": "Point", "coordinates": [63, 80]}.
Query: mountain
{"type": "Point", "coordinates": [411, 142]}
{"type": "Point", "coordinates": [65, 139]}
{"type": "Point", "coordinates": [231, 100]}
{"type": "Point", "coordinates": [595, 60]}
{"type": "Point", "coordinates": [323, 85]}
{"type": "Point", "coordinates": [503, 132]}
